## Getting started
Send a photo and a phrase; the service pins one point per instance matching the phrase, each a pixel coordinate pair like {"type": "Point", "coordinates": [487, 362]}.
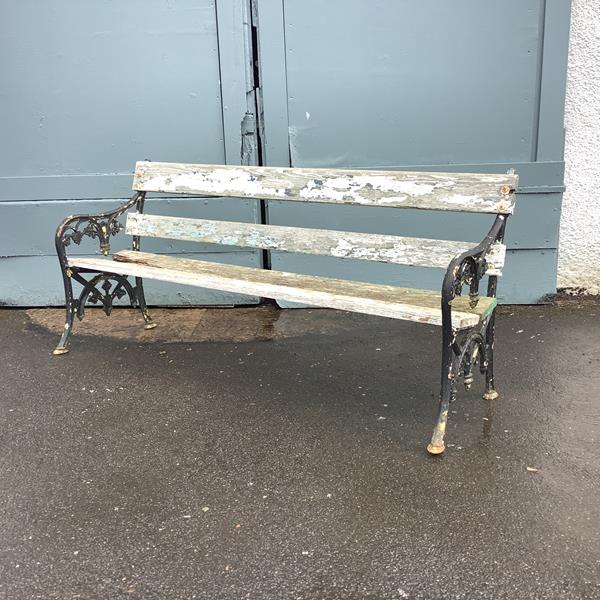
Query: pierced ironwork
{"type": "Point", "coordinates": [469, 273]}
{"type": "Point", "coordinates": [460, 352]}
{"type": "Point", "coordinates": [103, 288]}
{"type": "Point", "coordinates": [101, 227]}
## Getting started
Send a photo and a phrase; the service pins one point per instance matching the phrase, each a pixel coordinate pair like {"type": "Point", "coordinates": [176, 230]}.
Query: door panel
{"type": "Point", "coordinates": [91, 87]}
{"type": "Point", "coordinates": [41, 217]}
{"type": "Point", "coordinates": [425, 85]}
{"type": "Point", "coordinates": [88, 89]}
{"type": "Point", "coordinates": [533, 266]}
{"type": "Point", "coordinates": [411, 83]}
{"type": "Point", "coordinates": [26, 277]}
{"type": "Point", "coordinates": [95, 86]}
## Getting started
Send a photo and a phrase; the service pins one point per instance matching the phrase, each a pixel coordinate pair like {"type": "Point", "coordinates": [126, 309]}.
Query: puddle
{"type": "Point", "coordinates": [202, 324]}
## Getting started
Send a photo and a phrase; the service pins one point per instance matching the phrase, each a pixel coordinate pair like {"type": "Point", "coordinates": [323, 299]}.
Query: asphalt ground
{"type": "Point", "coordinates": [258, 453]}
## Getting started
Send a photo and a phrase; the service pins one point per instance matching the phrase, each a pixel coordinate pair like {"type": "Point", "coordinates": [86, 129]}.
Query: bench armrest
{"type": "Point", "coordinates": [469, 268]}
{"type": "Point", "coordinates": [99, 226]}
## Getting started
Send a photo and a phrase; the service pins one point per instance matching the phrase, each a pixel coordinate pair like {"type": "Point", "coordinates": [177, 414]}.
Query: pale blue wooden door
{"type": "Point", "coordinates": [407, 84]}
{"type": "Point", "coordinates": [87, 89]}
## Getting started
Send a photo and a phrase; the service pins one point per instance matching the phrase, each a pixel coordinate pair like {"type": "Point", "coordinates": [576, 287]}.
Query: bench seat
{"type": "Point", "coordinates": [423, 306]}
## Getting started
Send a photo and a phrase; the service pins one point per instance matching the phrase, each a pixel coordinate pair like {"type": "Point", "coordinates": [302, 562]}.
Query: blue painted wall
{"type": "Point", "coordinates": [89, 88]}
{"type": "Point", "coordinates": [400, 84]}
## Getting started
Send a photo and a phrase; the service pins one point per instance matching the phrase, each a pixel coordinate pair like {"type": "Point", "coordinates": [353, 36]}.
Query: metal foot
{"type": "Point", "coordinates": [490, 394]}
{"type": "Point", "coordinates": [141, 302]}
{"type": "Point", "coordinates": [437, 446]}
{"type": "Point", "coordinates": [436, 449]}
{"type": "Point", "coordinates": [63, 344]}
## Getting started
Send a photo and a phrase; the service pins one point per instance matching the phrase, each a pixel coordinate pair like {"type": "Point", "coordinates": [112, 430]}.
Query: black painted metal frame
{"type": "Point", "coordinates": [102, 288]}
{"type": "Point", "coordinates": [462, 350]}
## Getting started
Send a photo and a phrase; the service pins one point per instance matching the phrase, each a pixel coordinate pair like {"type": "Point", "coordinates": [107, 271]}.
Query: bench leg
{"type": "Point", "coordinates": [437, 446]}
{"type": "Point", "coordinates": [70, 308]}
{"type": "Point", "coordinates": [490, 392]}
{"type": "Point", "coordinates": [447, 394]}
{"type": "Point", "coordinates": [141, 300]}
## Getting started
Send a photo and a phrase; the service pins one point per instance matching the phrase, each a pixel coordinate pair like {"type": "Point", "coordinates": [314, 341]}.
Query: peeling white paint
{"type": "Point", "coordinates": [341, 244]}
{"type": "Point", "coordinates": [217, 182]}
{"type": "Point", "coordinates": [470, 192]}
{"type": "Point", "coordinates": [340, 188]}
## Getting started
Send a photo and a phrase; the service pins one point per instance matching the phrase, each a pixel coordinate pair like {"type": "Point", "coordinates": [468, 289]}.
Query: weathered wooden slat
{"type": "Point", "coordinates": [463, 192]}
{"type": "Point", "coordinates": [383, 300]}
{"type": "Point", "coordinates": [342, 244]}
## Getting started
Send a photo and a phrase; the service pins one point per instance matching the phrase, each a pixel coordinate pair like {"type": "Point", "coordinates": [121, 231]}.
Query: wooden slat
{"type": "Point", "coordinates": [383, 300]}
{"type": "Point", "coordinates": [464, 192]}
{"type": "Point", "coordinates": [341, 244]}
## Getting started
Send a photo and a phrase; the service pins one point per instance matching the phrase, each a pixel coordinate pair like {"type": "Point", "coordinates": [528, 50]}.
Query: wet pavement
{"type": "Point", "coordinates": [256, 453]}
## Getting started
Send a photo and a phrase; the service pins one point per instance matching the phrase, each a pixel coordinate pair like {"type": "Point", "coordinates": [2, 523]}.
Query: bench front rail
{"type": "Point", "coordinates": [467, 321]}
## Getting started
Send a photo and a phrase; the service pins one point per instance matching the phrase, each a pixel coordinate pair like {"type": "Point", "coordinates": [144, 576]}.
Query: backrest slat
{"type": "Point", "coordinates": [342, 244]}
{"type": "Point", "coordinates": [462, 192]}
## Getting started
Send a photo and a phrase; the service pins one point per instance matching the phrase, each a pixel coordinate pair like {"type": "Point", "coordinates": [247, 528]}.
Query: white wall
{"type": "Point", "coordinates": [579, 249]}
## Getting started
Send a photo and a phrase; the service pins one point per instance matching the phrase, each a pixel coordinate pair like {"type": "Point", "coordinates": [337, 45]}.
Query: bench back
{"type": "Point", "coordinates": [462, 192]}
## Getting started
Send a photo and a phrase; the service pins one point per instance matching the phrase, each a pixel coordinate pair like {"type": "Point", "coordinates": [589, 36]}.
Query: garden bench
{"type": "Point", "coordinates": [467, 322]}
